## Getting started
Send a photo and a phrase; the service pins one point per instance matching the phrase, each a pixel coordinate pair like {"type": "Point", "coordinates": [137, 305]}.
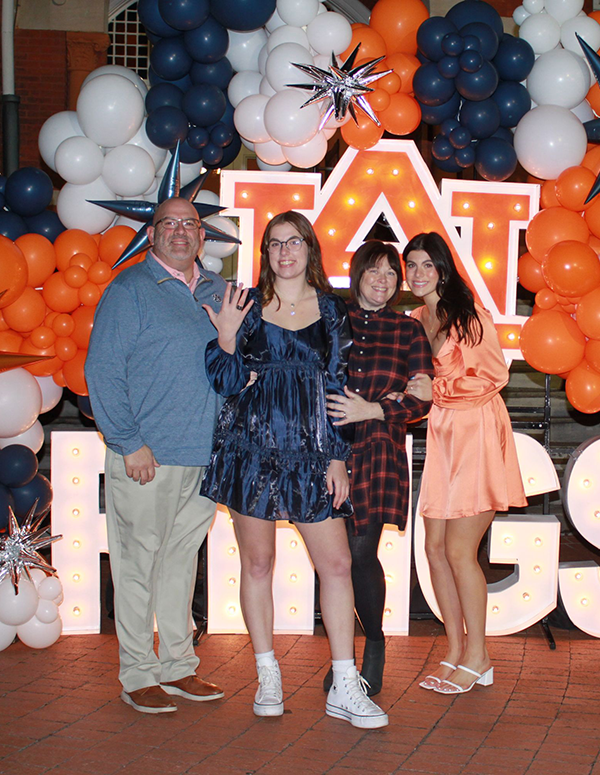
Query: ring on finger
{"type": "Point", "coordinates": [239, 306]}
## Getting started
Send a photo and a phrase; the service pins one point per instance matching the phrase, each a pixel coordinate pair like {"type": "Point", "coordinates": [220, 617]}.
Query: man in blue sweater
{"type": "Point", "coordinates": [156, 411]}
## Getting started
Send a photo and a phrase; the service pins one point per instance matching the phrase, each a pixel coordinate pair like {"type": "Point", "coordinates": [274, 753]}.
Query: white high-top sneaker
{"type": "Point", "coordinates": [348, 700]}
{"type": "Point", "coordinates": [269, 696]}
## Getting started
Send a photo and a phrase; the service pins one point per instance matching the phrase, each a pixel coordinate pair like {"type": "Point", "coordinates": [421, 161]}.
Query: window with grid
{"type": "Point", "coordinates": [129, 44]}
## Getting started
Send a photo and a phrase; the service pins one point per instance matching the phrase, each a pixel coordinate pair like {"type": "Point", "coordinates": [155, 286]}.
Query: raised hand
{"type": "Point", "coordinates": [231, 315]}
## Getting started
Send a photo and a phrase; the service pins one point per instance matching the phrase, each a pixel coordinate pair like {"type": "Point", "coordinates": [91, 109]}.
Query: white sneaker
{"type": "Point", "coordinates": [347, 699]}
{"type": "Point", "coordinates": [269, 696]}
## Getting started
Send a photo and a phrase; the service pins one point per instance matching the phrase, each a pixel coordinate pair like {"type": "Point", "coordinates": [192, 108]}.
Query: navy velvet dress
{"type": "Point", "coordinates": [274, 441]}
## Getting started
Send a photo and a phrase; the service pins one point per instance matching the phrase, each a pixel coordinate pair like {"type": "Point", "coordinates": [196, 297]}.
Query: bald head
{"type": "Point", "coordinates": [175, 235]}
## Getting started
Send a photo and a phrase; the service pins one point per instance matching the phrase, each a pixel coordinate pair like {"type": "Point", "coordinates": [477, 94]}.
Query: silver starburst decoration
{"type": "Point", "coordinates": [343, 86]}
{"type": "Point", "coordinates": [19, 547]}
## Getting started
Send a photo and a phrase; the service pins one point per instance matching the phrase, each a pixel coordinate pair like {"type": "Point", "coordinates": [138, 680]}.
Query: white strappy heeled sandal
{"type": "Point", "coordinates": [448, 687]}
{"type": "Point", "coordinates": [431, 681]}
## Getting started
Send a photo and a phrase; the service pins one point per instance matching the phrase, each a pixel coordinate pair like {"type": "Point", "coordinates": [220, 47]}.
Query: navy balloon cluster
{"type": "Point", "coordinates": [21, 484]}
{"type": "Point", "coordinates": [24, 199]}
{"type": "Point", "coordinates": [189, 74]}
{"type": "Point", "coordinates": [469, 83]}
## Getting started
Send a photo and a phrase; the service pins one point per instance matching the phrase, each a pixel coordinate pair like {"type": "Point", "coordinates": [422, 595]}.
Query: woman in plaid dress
{"type": "Point", "coordinates": [389, 349]}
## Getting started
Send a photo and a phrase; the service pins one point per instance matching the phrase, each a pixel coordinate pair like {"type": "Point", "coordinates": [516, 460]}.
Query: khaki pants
{"type": "Point", "coordinates": [154, 534]}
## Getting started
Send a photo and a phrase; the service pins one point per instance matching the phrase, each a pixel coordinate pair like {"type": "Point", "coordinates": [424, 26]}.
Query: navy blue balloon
{"type": "Point", "coordinates": [152, 20]}
{"type": "Point", "coordinates": [465, 157]}
{"type": "Point", "coordinates": [48, 224]}
{"type": "Point", "coordinates": [189, 155]}
{"type": "Point", "coordinates": [39, 488]}
{"type": "Point", "coordinates": [504, 134]}
{"type": "Point", "coordinates": [170, 59]}
{"type": "Point", "coordinates": [482, 118]}
{"type": "Point", "coordinates": [470, 61]}
{"type": "Point", "coordinates": [181, 83]}
{"type": "Point", "coordinates": [154, 38]}
{"type": "Point", "coordinates": [422, 58]}
{"type": "Point", "coordinates": [18, 465]}
{"type": "Point", "coordinates": [469, 11]}
{"type": "Point", "coordinates": [184, 14]}
{"type": "Point", "coordinates": [164, 93]}
{"type": "Point", "coordinates": [227, 117]}
{"type": "Point", "coordinates": [430, 87]}
{"type": "Point", "coordinates": [441, 148]}
{"type": "Point", "coordinates": [197, 137]}
{"type": "Point", "coordinates": [28, 191]}
{"type": "Point", "coordinates": [452, 44]}
{"type": "Point", "coordinates": [204, 104]}
{"type": "Point", "coordinates": [487, 37]}
{"type": "Point", "coordinates": [515, 58]}
{"type": "Point", "coordinates": [167, 125]}
{"type": "Point", "coordinates": [495, 159]}
{"type": "Point", "coordinates": [221, 134]}
{"type": "Point", "coordinates": [448, 67]}
{"type": "Point", "coordinates": [513, 100]}
{"type": "Point", "coordinates": [12, 225]}
{"type": "Point", "coordinates": [230, 154]}
{"type": "Point", "coordinates": [3, 180]}
{"type": "Point", "coordinates": [6, 500]}
{"type": "Point", "coordinates": [460, 137]}
{"type": "Point", "coordinates": [85, 407]}
{"type": "Point", "coordinates": [242, 15]}
{"type": "Point", "coordinates": [448, 165]}
{"type": "Point", "coordinates": [430, 35]}
{"type": "Point", "coordinates": [218, 73]}
{"type": "Point", "coordinates": [448, 125]}
{"type": "Point", "coordinates": [208, 42]}
{"type": "Point", "coordinates": [479, 85]}
{"type": "Point", "coordinates": [2, 201]}
{"type": "Point", "coordinates": [439, 113]}
{"type": "Point", "coordinates": [212, 155]}
{"type": "Point", "coordinates": [471, 43]}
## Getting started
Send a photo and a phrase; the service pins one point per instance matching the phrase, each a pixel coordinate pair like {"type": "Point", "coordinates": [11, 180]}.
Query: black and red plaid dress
{"type": "Point", "coordinates": [388, 349]}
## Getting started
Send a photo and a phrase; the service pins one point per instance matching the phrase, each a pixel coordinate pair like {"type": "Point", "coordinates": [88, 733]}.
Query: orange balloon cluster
{"type": "Point", "coordinates": [392, 33]}
{"type": "Point", "coordinates": [562, 268]}
{"type": "Point", "coordinates": [50, 296]}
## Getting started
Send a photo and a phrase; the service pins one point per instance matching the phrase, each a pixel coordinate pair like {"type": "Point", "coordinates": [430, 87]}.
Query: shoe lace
{"type": "Point", "coordinates": [269, 678]}
{"type": "Point", "coordinates": [357, 690]}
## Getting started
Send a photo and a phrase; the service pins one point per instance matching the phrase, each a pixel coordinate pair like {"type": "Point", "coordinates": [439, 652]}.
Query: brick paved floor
{"type": "Point", "coordinates": [60, 713]}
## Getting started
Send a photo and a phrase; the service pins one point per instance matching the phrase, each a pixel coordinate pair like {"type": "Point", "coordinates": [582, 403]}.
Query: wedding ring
{"type": "Point", "coordinates": [239, 306]}
{"type": "Point", "coordinates": [344, 415]}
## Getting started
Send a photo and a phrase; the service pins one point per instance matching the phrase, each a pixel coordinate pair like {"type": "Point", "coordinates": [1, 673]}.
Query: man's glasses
{"type": "Point", "coordinates": [292, 244]}
{"type": "Point", "coordinates": [189, 224]}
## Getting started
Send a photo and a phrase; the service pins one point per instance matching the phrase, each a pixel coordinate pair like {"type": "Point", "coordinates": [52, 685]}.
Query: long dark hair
{"type": "Point", "coordinates": [315, 274]}
{"type": "Point", "coordinates": [369, 254]}
{"type": "Point", "coordinates": [456, 307]}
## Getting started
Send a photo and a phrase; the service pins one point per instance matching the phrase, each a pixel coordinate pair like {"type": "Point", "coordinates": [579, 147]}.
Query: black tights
{"type": "Point", "coordinates": [368, 580]}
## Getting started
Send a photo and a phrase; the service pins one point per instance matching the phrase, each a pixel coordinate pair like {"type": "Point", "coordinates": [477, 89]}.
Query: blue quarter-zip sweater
{"type": "Point", "coordinates": [145, 365]}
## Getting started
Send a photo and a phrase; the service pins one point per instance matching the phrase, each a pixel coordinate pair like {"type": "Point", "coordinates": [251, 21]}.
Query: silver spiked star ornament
{"type": "Point", "coordinates": [19, 547]}
{"type": "Point", "coordinates": [343, 86]}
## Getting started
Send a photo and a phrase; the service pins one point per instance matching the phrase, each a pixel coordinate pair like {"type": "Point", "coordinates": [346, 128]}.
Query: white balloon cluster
{"type": "Point", "coordinates": [268, 114]}
{"type": "Point", "coordinates": [23, 398]}
{"type": "Point", "coordinates": [551, 137]}
{"type": "Point", "coordinates": [31, 614]}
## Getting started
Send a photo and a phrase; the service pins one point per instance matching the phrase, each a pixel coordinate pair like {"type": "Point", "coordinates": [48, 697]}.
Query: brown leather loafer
{"type": "Point", "coordinates": [150, 699]}
{"type": "Point", "coordinates": [193, 688]}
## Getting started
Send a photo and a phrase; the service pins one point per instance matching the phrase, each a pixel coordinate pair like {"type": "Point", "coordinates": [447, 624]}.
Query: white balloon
{"type": "Point", "coordinates": [287, 34]}
{"type": "Point", "coordinates": [211, 263]}
{"type": "Point", "coordinates": [297, 12]}
{"type": "Point", "coordinates": [33, 438]}
{"type": "Point", "coordinates": [557, 78]}
{"type": "Point", "coordinates": [20, 402]}
{"type": "Point", "coordinates": [204, 196]}
{"type": "Point", "coordinates": [8, 632]}
{"type": "Point", "coordinates": [309, 154]}
{"type": "Point", "coordinates": [562, 10]}
{"type": "Point", "coordinates": [274, 22]}
{"type": "Point", "coordinates": [266, 88]}
{"type": "Point", "coordinates": [141, 139]}
{"type": "Point", "coordinates": [50, 588]}
{"type": "Point", "coordinates": [329, 32]}
{"type": "Point", "coordinates": [287, 122]}
{"type": "Point", "coordinates": [247, 144]}
{"type": "Point", "coordinates": [549, 139]}
{"type": "Point", "coordinates": [243, 84]}
{"type": "Point", "coordinates": [37, 576]}
{"type": "Point", "coordinates": [221, 249]}
{"type": "Point", "coordinates": [262, 59]}
{"type": "Point", "coordinates": [519, 15]}
{"type": "Point", "coordinates": [47, 611]}
{"type": "Point", "coordinates": [122, 220]}
{"type": "Point", "coordinates": [38, 635]}
{"type": "Point", "coordinates": [271, 152]}
{"type": "Point", "coordinates": [533, 6]}
{"type": "Point", "coordinates": [128, 170]}
{"type": "Point", "coordinates": [322, 9]}
{"type": "Point", "coordinates": [244, 48]}
{"type": "Point", "coordinates": [51, 393]}
{"type": "Point", "coordinates": [119, 70]}
{"type": "Point", "coordinates": [77, 213]}
{"type": "Point", "coordinates": [110, 110]}
{"type": "Point", "coordinates": [78, 160]}
{"type": "Point", "coordinates": [280, 65]}
{"type": "Point", "coordinates": [586, 27]}
{"type": "Point", "coordinates": [249, 118]}
{"type": "Point", "coordinates": [583, 111]}
{"type": "Point", "coordinates": [541, 31]}
{"type": "Point", "coordinates": [17, 607]}
{"type": "Point", "coordinates": [187, 172]}
{"type": "Point", "coordinates": [152, 188]}
{"type": "Point", "coordinates": [323, 61]}
{"type": "Point", "coordinates": [273, 167]}
{"type": "Point", "coordinates": [54, 131]}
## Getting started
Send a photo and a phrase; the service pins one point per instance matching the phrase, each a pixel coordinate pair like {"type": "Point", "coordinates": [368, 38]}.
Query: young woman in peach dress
{"type": "Point", "coordinates": [471, 467]}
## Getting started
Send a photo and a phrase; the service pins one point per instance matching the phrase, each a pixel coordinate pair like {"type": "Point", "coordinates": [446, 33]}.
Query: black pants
{"type": "Point", "coordinates": [368, 580]}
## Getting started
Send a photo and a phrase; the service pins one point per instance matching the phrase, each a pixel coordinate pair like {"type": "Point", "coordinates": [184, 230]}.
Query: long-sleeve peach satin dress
{"type": "Point", "coordinates": [471, 462]}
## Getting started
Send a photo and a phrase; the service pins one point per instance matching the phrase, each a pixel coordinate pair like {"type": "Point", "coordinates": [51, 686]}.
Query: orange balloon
{"type": "Point", "coordinates": [83, 319]}
{"type": "Point", "coordinates": [42, 337]}
{"type": "Point", "coordinates": [113, 242]}
{"type": "Point", "coordinates": [73, 373]}
{"type": "Point", "coordinates": [100, 273]}
{"type": "Point", "coordinates": [3, 324]}
{"type": "Point", "coordinates": [41, 368]}
{"type": "Point", "coordinates": [548, 194]}
{"type": "Point", "coordinates": [10, 341]}
{"type": "Point", "coordinates": [71, 242]}
{"type": "Point", "coordinates": [546, 299]}
{"type": "Point", "coordinates": [592, 353]}
{"type": "Point", "coordinates": [59, 378]}
{"type": "Point", "coordinates": [551, 226]}
{"type": "Point", "coordinates": [405, 66]}
{"type": "Point", "coordinates": [571, 269]}
{"type": "Point", "coordinates": [398, 22]}
{"type": "Point", "coordinates": [583, 388]}
{"type": "Point", "coordinates": [80, 259]}
{"type": "Point", "coordinates": [75, 276]}
{"type": "Point", "coordinates": [572, 187]}
{"type": "Point", "coordinates": [89, 294]}
{"type": "Point", "coordinates": [372, 45]}
{"type": "Point", "coordinates": [592, 160]}
{"type": "Point", "coordinates": [50, 318]}
{"type": "Point", "coordinates": [551, 342]}
{"type": "Point", "coordinates": [13, 272]}
{"type": "Point", "coordinates": [363, 136]}
{"type": "Point", "coordinates": [58, 295]}
{"type": "Point", "coordinates": [592, 216]}
{"type": "Point", "coordinates": [63, 324]}
{"type": "Point", "coordinates": [379, 99]}
{"type": "Point", "coordinates": [530, 274]}
{"type": "Point", "coordinates": [588, 314]}
{"type": "Point", "coordinates": [65, 347]}
{"type": "Point", "coordinates": [40, 256]}
{"type": "Point", "coordinates": [593, 97]}
{"type": "Point", "coordinates": [27, 312]}
{"type": "Point", "coordinates": [402, 116]}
